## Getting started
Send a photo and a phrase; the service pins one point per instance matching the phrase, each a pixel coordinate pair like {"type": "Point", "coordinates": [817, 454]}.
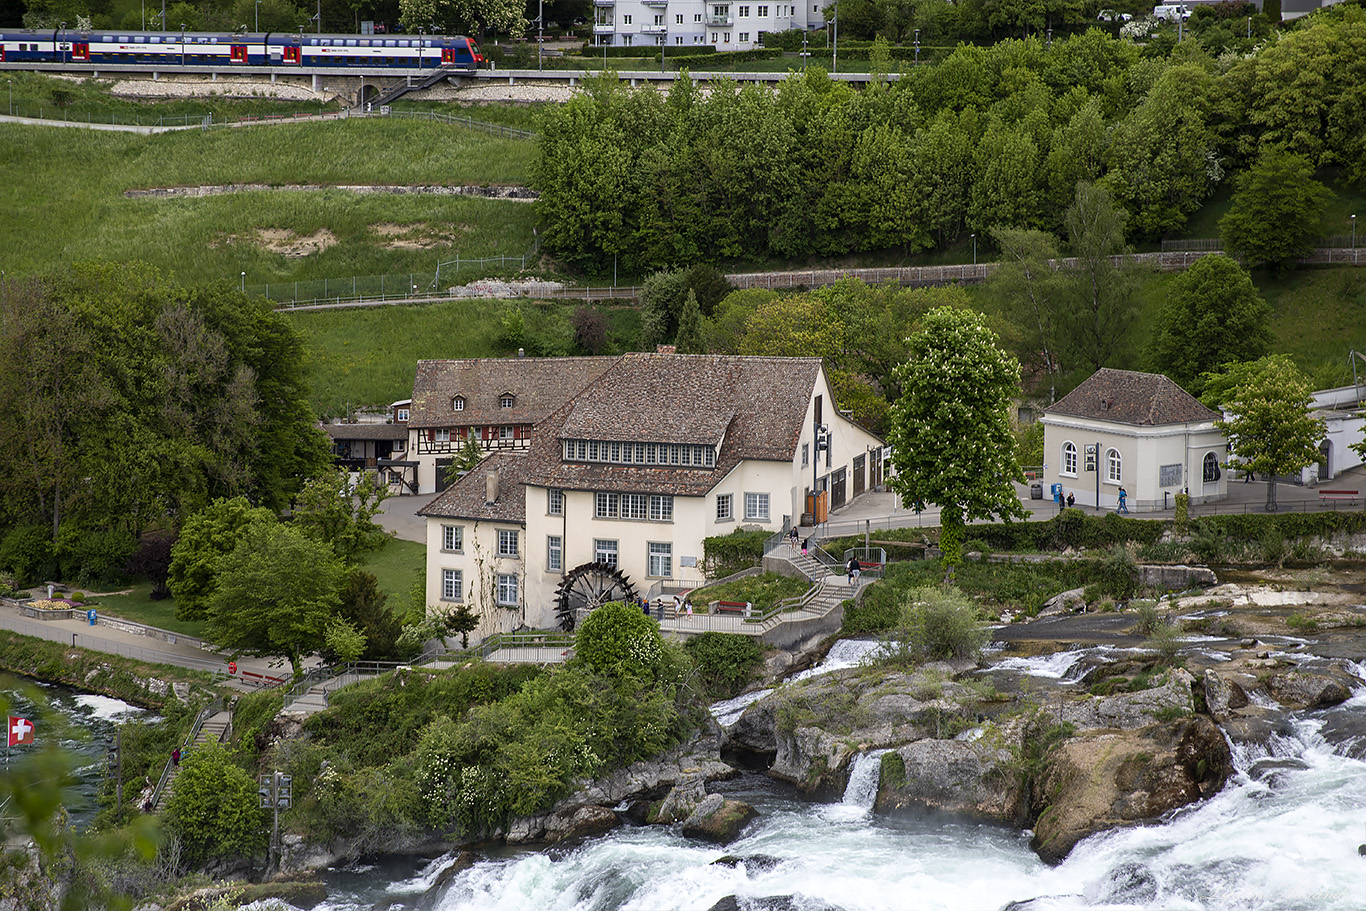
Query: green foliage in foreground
{"type": "Point", "coordinates": [725, 662]}
{"type": "Point", "coordinates": [214, 809]}
{"type": "Point", "coordinates": [726, 554]}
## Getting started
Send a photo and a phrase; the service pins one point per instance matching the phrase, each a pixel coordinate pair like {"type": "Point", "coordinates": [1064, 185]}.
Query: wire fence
{"type": "Point", "coordinates": [1216, 245]}
{"type": "Point", "coordinates": [492, 129]}
{"type": "Point", "coordinates": [392, 286]}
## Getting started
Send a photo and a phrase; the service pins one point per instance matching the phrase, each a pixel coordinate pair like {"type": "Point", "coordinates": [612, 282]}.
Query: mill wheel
{"type": "Point", "coordinates": [590, 586]}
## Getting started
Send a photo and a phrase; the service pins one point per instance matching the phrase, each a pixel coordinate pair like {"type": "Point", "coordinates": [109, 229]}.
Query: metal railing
{"type": "Point", "coordinates": [368, 290]}
{"type": "Point", "coordinates": [213, 708]}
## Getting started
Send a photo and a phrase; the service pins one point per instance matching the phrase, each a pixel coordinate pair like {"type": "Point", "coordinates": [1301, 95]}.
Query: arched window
{"type": "Point", "coordinates": [1069, 459]}
{"type": "Point", "coordinates": [1113, 466]}
{"type": "Point", "coordinates": [1211, 467]}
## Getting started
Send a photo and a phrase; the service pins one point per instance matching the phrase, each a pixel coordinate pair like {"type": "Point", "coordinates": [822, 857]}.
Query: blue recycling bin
{"type": "Point", "coordinates": [90, 615]}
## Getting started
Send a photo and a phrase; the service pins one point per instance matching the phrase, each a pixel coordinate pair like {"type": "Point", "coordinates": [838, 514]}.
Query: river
{"type": "Point", "coordinates": [81, 724]}
{"type": "Point", "coordinates": [1282, 835]}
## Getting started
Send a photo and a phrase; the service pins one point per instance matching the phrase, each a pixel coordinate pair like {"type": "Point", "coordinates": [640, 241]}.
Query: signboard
{"type": "Point", "coordinates": [1091, 450]}
{"type": "Point", "coordinates": [1169, 475]}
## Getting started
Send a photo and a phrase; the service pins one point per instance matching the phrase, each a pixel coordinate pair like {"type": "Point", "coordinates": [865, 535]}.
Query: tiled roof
{"type": "Point", "coordinates": [1129, 397]}
{"type": "Point", "coordinates": [371, 431]}
{"type": "Point", "coordinates": [755, 407]}
{"type": "Point", "coordinates": [539, 385]}
{"type": "Point", "coordinates": [467, 497]}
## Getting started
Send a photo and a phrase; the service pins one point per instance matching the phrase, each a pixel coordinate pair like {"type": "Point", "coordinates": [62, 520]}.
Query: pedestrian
{"type": "Point", "coordinates": [678, 606]}
{"type": "Point", "coordinates": [1123, 501]}
{"type": "Point", "coordinates": [854, 569]}
{"type": "Point", "coordinates": [806, 543]}
{"type": "Point", "coordinates": [1071, 500]}
{"type": "Point", "coordinates": [794, 536]}
{"type": "Point", "coordinates": [1248, 477]}
{"type": "Point", "coordinates": [175, 756]}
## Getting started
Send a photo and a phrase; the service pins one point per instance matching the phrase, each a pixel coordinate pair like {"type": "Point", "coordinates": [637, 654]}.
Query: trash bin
{"type": "Point", "coordinates": [1036, 491]}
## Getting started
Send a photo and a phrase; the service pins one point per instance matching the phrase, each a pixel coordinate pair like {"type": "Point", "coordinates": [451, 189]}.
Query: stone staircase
{"type": "Point", "coordinates": [214, 730]}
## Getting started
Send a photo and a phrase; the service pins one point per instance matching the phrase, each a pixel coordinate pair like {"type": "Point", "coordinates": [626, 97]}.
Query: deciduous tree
{"type": "Point", "coordinates": [1277, 212]}
{"type": "Point", "coordinates": [1271, 430]}
{"type": "Point", "coordinates": [1103, 306]}
{"type": "Point", "coordinates": [336, 512]}
{"type": "Point", "coordinates": [214, 809]}
{"type": "Point", "coordinates": [950, 435]}
{"type": "Point", "coordinates": [207, 537]}
{"type": "Point", "coordinates": [1213, 316]}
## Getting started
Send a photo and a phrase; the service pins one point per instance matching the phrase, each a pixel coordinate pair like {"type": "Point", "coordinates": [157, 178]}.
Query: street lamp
{"type": "Point", "coordinates": [1354, 239]}
{"type": "Point", "coordinates": [258, 15]}
{"type": "Point", "coordinates": [1249, 28]}
{"type": "Point", "coordinates": [974, 249]}
{"type": "Point", "coordinates": [244, 283]}
{"type": "Point", "coordinates": [182, 44]}
{"type": "Point", "coordinates": [540, 31]}
{"type": "Point", "coordinates": [10, 83]}
{"type": "Point", "coordinates": [917, 45]}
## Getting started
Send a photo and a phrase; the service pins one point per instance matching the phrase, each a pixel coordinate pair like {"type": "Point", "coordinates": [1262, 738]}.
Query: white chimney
{"type": "Point", "coordinates": [491, 487]}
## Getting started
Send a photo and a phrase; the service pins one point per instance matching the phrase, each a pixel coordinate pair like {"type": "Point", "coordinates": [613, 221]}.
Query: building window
{"type": "Point", "coordinates": [607, 505]}
{"type": "Point", "coordinates": [678, 20]}
{"type": "Point", "coordinates": [452, 585]}
{"type": "Point", "coordinates": [679, 39]}
{"type": "Point", "coordinates": [626, 20]}
{"type": "Point", "coordinates": [1211, 467]}
{"type": "Point", "coordinates": [507, 543]}
{"type": "Point", "coordinates": [1069, 459]}
{"type": "Point", "coordinates": [605, 552]}
{"type": "Point", "coordinates": [697, 17]}
{"type": "Point", "coordinates": [806, 454]}
{"type": "Point", "coordinates": [725, 509]}
{"type": "Point", "coordinates": [453, 537]}
{"type": "Point", "coordinates": [507, 589]}
{"type": "Point", "coordinates": [713, 37]}
{"type": "Point", "coordinates": [744, 12]}
{"type": "Point", "coordinates": [633, 505]}
{"type": "Point", "coordinates": [744, 36]}
{"type": "Point", "coordinates": [1113, 466]}
{"type": "Point", "coordinates": [554, 502]}
{"type": "Point", "coordinates": [661, 508]}
{"type": "Point", "coordinates": [400, 414]}
{"type": "Point", "coordinates": [506, 432]}
{"type": "Point", "coordinates": [763, 11]}
{"type": "Point", "coordinates": [661, 559]}
{"type": "Point", "coordinates": [756, 507]}
{"type": "Point", "coordinates": [443, 435]}
{"type": "Point", "coordinates": [458, 403]}
{"type": "Point", "coordinates": [506, 401]}
{"type": "Point", "coordinates": [554, 553]}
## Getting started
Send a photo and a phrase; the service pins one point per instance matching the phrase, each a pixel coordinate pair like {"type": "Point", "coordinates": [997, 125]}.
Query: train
{"type": "Point", "coordinates": [227, 49]}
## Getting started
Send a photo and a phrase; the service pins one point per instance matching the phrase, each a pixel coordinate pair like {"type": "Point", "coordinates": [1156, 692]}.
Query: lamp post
{"type": "Point", "coordinates": [182, 44]}
{"type": "Point", "coordinates": [835, 45]}
{"type": "Point", "coordinates": [244, 283]}
{"type": "Point", "coordinates": [1354, 240]}
{"type": "Point", "coordinates": [917, 46]}
{"type": "Point", "coordinates": [10, 83]}
{"type": "Point", "coordinates": [974, 249]}
{"type": "Point", "coordinates": [1249, 28]}
{"type": "Point", "coordinates": [540, 31]}
{"type": "Point", "coordinates": [258, 15]}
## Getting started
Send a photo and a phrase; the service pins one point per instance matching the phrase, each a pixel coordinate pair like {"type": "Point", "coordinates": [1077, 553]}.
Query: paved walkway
{"type": "Point", "coordinates": [174, 650]}
{"type": "Point", "coordinates": [398, 516]}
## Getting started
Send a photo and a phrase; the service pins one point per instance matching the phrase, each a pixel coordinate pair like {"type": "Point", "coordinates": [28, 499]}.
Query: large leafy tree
{"type": "Point", "coordinates": [1104, 306]}
{"type": "Point", "coordinates": [275, 594]}
{"type": "Point", "coordinates": [333, 511]}
{"type": "Point", "coordinates": [950, 434]}
{"type": "Point", "coordinates": [1028, 283]}
{"type": "Point", "coordinates": [206, 538]}
{"type": "Point", "coordinates": [1213, 316]}
{"type": "Point", "coordinates": [1271, 431]}
{"type": "Point", "coordinates": [1277, 212]}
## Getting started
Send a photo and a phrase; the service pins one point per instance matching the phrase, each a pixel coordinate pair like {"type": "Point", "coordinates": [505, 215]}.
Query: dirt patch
{"type": "Point", "coordinates": [282, 241]}
{"type": "Point", "coordinates": [419, 236]}
{"type": "Point", "coordinates": [511, 192]}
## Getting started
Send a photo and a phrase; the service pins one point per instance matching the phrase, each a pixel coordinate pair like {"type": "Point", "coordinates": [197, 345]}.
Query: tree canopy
{"type": "Point", "coordinates": [950, 429]}
{"type": "Point", "coordinates": [1277, 213]}
{"type": "Point", "coordinates": [1271, 431]}
{"type": "Point", "coordinates": [1213, 316]}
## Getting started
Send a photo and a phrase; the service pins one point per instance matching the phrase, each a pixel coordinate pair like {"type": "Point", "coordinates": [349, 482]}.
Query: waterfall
{"type": "Point", "coordinates": [864, 774]}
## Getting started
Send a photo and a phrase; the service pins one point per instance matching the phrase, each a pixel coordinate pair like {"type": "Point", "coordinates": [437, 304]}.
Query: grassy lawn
{"type": "Point", "coordinates": [1318, 315]}
{"type": "Point", "coordinates": [396, 565]}
{"type": "Point", "coordinates": [139, 607]}
{"type": "Point", "coordinates": [762, 591]}
{"type": "Point", "coordinates": [64, 198]}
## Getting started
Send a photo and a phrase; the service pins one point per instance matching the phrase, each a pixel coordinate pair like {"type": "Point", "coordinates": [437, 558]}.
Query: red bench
{"type": "Point", "coordinates": [1326, 495]}
{"type": "Point", "coordinates": [733, 607]}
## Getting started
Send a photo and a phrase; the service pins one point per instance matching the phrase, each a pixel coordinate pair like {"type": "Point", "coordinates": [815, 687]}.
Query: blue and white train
{"type": "Point", "coordinates": [226, 50]}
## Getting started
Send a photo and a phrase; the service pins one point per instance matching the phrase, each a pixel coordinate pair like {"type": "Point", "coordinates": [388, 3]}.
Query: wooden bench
{"type": "Point", "coordinates": [734, 607]}
{"type": "Point", "coordinates": [1326, 495]}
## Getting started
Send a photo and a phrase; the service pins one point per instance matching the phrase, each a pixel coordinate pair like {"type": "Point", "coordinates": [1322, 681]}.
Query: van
{"type": "Point", "coordinates": [1172, 12]}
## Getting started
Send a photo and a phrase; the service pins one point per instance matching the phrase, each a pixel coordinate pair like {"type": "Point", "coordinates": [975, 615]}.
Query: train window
{"type": "Point", "coordinates": [123, 39]}
{"type": "Point", "coordinates": [404, 44]}
{"type": "Point", "coordinates": [391, 43]}
{"type": "Point", "coordinates": [350, 42]}
{"type": "Point", "coordinates": [111, 38]}
{"type": "Point", "coordinates": [137, 39]}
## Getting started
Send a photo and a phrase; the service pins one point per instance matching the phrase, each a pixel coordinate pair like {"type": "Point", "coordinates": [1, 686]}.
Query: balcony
{"type": "Point", "coordinates": [604, 29]}
{"type": "Point", "coordinates": [657, 4]}
{"type": "Point", "coordinates": [720, 21]}
{"type": "Point", "coordinates": [654, 29]}
{"type": "Point", "coordinates": [607, 3]}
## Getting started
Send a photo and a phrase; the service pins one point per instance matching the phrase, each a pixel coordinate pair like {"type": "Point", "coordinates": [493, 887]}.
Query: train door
{"type": "Point", "coordinates": [238, 53]}
{"type": "Point", "coordinates": [80, 50]}
{"type": "Point", "coordinates": [293, 54]}
{"type": "Point", "coordinates": [447, 55]}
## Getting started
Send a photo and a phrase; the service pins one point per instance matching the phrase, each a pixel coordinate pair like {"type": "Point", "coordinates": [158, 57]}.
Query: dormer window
{"type": "Point", "coordinates": [401, 414]}
{"type": "Point", "coordinates": [458, 403]}
{"type": "Point", "coordinates": [507, 401]}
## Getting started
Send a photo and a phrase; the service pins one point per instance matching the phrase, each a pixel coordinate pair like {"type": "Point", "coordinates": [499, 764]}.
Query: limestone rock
{"type": "Point", "coordinates": [754, 731]}
{"type": "Point", "coordinates": [1064, 603]}
{"type": "Point", "coordinates": [1298, 690]}
{"type": "Point", "coordinates": [718, 819]}
{"type": "Point", "coordinates": [579, 823]}
{"type": "Point", "coordinates": [751, 862]}
{"type": "Point", "coordinates": [1176, 578]}
{"type": "Point", "coordinates": [1127, 711]}
{"type": "Point", "coordinates": [950, 775]}
{"type": "Point", "coordinates": [1101, 780]}
{"type": "Point", "coordinates": [1222, 696]}
{"type": "Point", "coordinates": [687, 794]}
{"type": "Point", "coordinates": [772, 903]}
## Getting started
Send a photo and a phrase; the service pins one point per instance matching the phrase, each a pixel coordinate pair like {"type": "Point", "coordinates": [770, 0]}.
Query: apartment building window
{"type": "Point", "coordinates": [713, 37]}
{"type": "Point", "coordinates": [697, 17]}
{"type": "Point", "coordinates": [506, 432]}
{"type": "Point", "coordinates": [744, 12]}
{"type": "Point", "coordinates": [626, 20]}
{"type": "Point", "coordinates": [554, 553]}
{"type": "Point", "coordinates": [763, 11]}
{"type": "Point", "coordinates": [661, 559]}
{"type": "Point", "coordinates": [744, 36]}
{"type": "Point", "coordinates": [756, 507]}
{"type": "Point", "coordinates": [679, 39]}
{"type": "Point", "coordinates": [452, 585]}
{"type": "Point", "coordinates": [806, 454]}
{"type": "Point", "coordinates": [661, 508]}
{"type": "Point", "coordinates": [507, 543]}
{"type": "Point", "coordinates": [507, 589]}
{"type": "Point", "coordinates": [727, 37]}
{"type": "Point", "coordinates": [605, 552]}
{"type": "Point", "coordinates": [607, 506]}
{"type": "Point", "coordinates": [678, 20]}
{"type": "Point", "coordinates": [442, 435]}
{"type": "Point", "coordinates": [453, 537]}
{"type": "Point", "coordinates": [626, 39]}
{"type": "Point", "coordinates": [725, 507]}
{"type": "Point", "coordinates": [554, 502]}
{"type": "Point", "coordinates": [659, 20]}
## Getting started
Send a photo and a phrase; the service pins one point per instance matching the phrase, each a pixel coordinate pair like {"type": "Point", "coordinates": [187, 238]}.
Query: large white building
{"type": "Point", "coordinates": [721, 24]}
{"type": "Point", "coordinates": [618, 488]}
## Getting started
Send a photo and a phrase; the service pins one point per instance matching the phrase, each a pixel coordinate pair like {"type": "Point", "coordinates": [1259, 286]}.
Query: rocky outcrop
{"type": "Point", "coordinates": [719, 820]}
{"type": "Point", "coordinates": [579, 822]}
{"type": "Point", "coordinates": [1222, 695]}
{"type": "Point", "coordinates": [1176, 578]}
{"type": "Point", "coordinates": [1133, 710]}
{"type": "Point", "coordinates": [1103, 779]}
{"type": "Point", "coordinates": [687, 793]}
{"type": "Point", "coordinates": [954, 776]}
{"type": "Point", "coordinates": [1298, 690]}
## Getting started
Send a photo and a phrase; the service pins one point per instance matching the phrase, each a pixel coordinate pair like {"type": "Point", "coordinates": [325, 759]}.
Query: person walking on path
{"type": "Point", "coordinates": [175, 756]}
{"type": "Point", "coordinates": [854, 569]}
{"type": "Point", "coordinates": [1123, 501]}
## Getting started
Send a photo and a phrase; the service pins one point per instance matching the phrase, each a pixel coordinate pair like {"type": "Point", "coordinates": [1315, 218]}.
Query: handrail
{"type": "Point", "coordinates": [204, 715]}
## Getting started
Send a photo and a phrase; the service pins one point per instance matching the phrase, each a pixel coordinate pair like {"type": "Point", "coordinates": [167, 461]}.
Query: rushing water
{"type": "Point", "coordinates": [843, 654]}
{"type": "Point", "coordinates": [81, 724]}
{"type": "Point", "coordinates": [1282, 835]}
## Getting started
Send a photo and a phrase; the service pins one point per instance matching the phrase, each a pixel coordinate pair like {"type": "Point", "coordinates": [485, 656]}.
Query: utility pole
{"type": "Point", "coordinates": [276, 792]}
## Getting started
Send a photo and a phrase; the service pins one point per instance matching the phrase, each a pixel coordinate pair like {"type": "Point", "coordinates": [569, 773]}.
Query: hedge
{"type": "Point", "coordinates": [1253, 526]}
{"type": "Point", "coordinates": [731, 553]}
{"type": "Point", "coordinates": [725, 57]}
{"type": "Point", "coordinates": [591, 50]}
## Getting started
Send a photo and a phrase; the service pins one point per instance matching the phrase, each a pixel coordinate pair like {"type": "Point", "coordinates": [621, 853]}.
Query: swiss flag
{"type": "Point", "coordinates": [20, 731]}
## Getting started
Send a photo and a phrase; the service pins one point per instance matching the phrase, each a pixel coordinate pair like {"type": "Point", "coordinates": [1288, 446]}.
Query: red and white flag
{"type": "Point", "coordinates": [20, 731]}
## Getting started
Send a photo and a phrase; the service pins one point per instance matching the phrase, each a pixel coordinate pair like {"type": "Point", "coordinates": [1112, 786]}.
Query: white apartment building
{"type": "Point", "coordinates": [724, 25]}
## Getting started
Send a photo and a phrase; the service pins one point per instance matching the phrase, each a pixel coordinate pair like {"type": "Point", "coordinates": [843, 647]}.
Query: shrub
{"type": "Point", "coordinates": [727, 554]}
{"type": "Point", "coordinates": [95, 555]}
{"type": "Point", "coordinates": [725, 662]}
{"type": "Point", "coordinates": [939, 623]}
{"type": "Point", "coordinates": [214, 809]}
{"type": "Point", "coordinates": [26, 551]}
{"type": "Point", "coordinates": [1165, 639]}
{"type": "Point", "coordinates": [763, 590]}
{"type": "Point", "coordinates": [1121, 573]}
{"type": "Point", "coordinates": [618, 640]}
